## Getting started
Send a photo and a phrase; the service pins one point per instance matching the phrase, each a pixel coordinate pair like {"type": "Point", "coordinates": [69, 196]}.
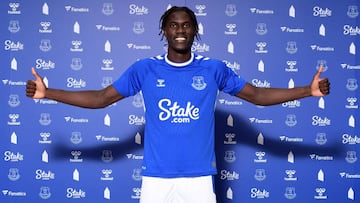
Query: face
{"type": "Point", "coordinates": [179, 32]}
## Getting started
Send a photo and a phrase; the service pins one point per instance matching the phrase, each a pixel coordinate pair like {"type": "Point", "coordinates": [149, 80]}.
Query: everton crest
{"type": "Point", "coordinates": [198, 83]}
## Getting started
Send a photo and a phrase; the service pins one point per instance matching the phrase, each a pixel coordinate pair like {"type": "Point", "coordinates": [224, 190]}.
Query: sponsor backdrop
{"type": "Point", "coordinates": [299, 151]}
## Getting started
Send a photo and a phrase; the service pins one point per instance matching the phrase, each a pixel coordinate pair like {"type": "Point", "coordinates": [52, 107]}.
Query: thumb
{"type": "Point", "coordinates": [318, 73]}
{"type": "Point", "coordinates": [35, 74]}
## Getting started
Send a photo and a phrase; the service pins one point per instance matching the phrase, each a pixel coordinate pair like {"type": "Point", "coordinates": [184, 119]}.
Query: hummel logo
{"type": "Point", "coordinates": [160, 83]}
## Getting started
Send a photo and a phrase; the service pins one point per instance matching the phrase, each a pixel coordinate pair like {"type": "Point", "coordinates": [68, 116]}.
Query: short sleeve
{"type": "Point", "coordinates": [129, 83]}
{"type": "Point", "coordinates": [230, 82]}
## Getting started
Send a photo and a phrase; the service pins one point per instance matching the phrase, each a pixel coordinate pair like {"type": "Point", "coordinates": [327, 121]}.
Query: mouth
{"type": "Point", "coordinates": [180, 39]}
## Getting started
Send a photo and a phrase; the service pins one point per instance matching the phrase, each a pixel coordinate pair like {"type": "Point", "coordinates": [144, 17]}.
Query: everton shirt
{"type": "Point", "coordinates": [179, 111]}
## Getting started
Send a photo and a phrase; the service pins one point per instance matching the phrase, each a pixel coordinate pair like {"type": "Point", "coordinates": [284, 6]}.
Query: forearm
{"type": "Point", "coordinates": [272, 96]}
{"type": "Point", "coordinates": [84, 99]}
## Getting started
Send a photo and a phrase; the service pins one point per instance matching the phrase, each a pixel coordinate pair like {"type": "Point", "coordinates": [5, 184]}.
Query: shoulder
{"type": "Point", "coordinates": [209, 62]}
{"type": "Point", "coordinates": [148, 62]}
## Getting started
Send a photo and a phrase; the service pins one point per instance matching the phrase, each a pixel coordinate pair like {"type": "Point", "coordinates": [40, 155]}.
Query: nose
{"type": "Point", "coordinates": [180, 29]}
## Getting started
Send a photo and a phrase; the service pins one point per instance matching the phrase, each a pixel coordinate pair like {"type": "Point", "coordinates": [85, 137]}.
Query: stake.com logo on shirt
{"type": "Point", "coordinates": [177, 114]}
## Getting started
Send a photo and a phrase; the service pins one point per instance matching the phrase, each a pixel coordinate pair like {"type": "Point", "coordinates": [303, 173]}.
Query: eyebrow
{"type": "Point", "coordinates": [177, 22]}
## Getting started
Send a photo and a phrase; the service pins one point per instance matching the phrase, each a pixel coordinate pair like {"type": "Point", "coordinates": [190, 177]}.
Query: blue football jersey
{"type": "Point", "coordinates": [179, 102]}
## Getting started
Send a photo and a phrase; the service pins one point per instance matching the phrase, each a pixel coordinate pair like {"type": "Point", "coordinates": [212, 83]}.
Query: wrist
{"type": "Point", "coordinates": [309, 91]}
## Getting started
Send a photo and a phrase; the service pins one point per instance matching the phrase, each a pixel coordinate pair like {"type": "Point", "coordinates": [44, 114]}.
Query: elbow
{"type": "Point", "coordinates": [260, 103]}
{"type": "Point", "coordinates": [105, 99]}
{"type": "Point", "coordinates": [101, 103]}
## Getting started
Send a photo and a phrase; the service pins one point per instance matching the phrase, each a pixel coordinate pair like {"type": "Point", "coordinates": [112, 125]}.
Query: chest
{"type": "Point", "coordinates": [180, 84]}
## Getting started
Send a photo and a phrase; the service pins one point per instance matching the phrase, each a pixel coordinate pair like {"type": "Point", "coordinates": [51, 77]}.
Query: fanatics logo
{"type": "Point", "coordinates": [76, 10]}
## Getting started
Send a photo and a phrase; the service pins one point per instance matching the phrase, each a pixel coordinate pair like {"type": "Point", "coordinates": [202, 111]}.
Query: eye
{"type": "Point", "coordinates": [172, 25]}
{"type": "Point", "coordinates": [186, 25]}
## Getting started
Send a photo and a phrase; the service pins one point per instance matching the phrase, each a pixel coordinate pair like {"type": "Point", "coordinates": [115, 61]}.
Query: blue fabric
{"type": "Point", "coordinates": [180, 102]}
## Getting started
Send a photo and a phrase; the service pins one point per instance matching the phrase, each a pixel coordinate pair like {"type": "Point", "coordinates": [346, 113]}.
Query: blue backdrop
{"type": "Point", "coordinates": [300, 151]}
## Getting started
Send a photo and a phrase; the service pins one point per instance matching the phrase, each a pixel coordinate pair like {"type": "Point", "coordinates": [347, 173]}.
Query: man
{"type": "Point", "coordinates": [179, 90]}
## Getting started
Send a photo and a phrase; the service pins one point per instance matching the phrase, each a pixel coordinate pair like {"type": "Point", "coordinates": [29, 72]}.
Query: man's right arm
{"type": "Point", "coordinates": [87, 99]}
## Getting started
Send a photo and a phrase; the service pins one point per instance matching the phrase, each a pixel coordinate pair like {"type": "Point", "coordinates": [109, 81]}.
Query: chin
{"type": "Point", "coordinates": [182, 51]}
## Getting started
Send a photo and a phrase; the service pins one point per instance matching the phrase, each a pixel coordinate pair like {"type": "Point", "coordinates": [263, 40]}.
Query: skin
{"type": "Point", "coordinates": [180, 34]}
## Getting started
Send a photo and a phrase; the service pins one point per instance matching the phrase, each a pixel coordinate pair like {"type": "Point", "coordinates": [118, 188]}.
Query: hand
{"type": "Point", "coordinates": [35, 88]}
{"type": "Point", "coordinates": [320, 86]}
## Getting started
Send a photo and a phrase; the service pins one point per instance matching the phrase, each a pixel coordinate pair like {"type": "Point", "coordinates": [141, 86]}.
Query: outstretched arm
{"type": "Point", "coordinates": [270, 96]}
{"type": "Point", "coordinates": [87, 99]}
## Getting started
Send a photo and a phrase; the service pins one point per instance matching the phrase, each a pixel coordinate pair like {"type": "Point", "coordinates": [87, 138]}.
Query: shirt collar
{"type": "Point", "coordinates": [179, 64]}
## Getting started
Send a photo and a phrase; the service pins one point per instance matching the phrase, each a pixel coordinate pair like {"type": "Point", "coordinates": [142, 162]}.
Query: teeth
{"type": "Point", "coordinates": [180, 38]}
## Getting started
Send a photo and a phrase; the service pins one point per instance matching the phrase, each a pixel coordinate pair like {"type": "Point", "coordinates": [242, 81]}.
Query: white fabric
{"type": "Point", "coordinates": [177, 190]}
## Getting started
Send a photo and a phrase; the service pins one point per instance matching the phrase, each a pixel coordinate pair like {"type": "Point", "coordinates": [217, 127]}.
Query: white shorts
{"type": "Point", "coordinates": [177, 190]}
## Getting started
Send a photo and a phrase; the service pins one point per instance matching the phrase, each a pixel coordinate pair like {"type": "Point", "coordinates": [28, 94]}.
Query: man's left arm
{"type": "Point", "coordinates": [270, 96]}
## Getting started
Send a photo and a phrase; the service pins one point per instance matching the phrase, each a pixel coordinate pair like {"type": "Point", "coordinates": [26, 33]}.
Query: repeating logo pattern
{"type": "Point", "coordinates": [298, 151]}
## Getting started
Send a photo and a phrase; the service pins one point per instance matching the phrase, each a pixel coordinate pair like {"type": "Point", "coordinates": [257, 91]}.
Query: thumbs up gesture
{"type": "Point", "coordinates": [320, 86]}
{"type": "Point", "coordinates": [35, 89]}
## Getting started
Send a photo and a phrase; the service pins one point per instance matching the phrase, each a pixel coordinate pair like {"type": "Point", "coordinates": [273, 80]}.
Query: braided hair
{"type": "Point", "coordinates": [165, 16]}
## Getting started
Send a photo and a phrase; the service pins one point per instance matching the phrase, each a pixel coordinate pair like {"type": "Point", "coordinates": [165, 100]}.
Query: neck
{"type": "Point", "coordinates": [179, 64]}
{"type": "Point", "coordinates": [177, 57]}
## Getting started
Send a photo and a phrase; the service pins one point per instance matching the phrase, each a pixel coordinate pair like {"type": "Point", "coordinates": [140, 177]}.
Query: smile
{"type": "Point", "coordinates": [180, 39]}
